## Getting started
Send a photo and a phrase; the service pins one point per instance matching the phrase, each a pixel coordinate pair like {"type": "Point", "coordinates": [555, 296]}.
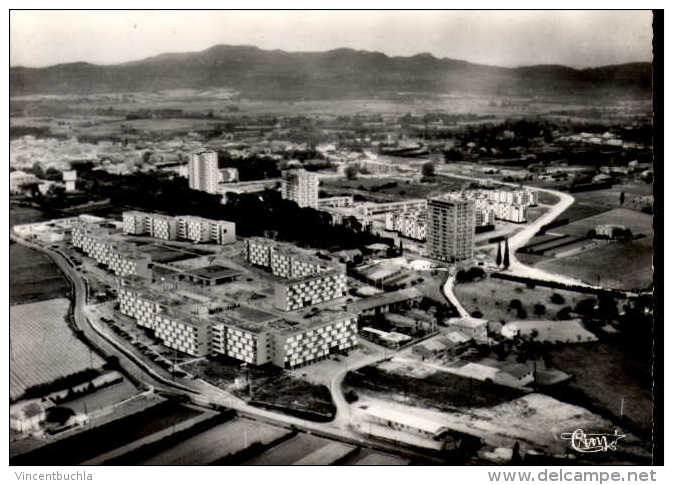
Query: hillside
{"type": "Point", "coordinates": [340, 73]}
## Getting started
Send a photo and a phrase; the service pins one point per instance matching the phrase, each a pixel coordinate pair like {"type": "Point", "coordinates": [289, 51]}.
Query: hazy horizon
{"type": "Point", "coordinates": [578, 39]}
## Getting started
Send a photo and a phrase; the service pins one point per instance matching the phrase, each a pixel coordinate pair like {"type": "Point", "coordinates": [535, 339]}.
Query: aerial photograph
{"type": "Point", "coordinates": [332, 238]}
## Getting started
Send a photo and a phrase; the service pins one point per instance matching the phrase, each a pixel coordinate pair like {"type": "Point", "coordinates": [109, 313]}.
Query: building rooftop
{"type": "Point", "coordinates": [384, 299]}
{"type": "Point", "coordinates": [411, 420]}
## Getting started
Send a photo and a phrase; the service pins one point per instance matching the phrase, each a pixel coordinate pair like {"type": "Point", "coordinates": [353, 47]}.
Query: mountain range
{"type": "Point", "coordinates": [339, 73]}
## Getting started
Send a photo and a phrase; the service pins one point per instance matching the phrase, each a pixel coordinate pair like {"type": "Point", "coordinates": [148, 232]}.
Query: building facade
{"type": "Point", "coordinates": [204, 174]}
{"type": "Point", "coordinates": [190, 228]}
{"type": "Point", "coordinates": [203, 328]}
{"type": "Point", "coordinates": [300, 186]}
{"type": "Point", "coordinates": [300, 279]}
{"type": "Point", "coordinates": [121, 259]}
{"type": "Point", "coordinates": [450, 228]}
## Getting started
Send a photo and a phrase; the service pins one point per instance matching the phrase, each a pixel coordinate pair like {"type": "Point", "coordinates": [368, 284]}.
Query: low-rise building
{"type": "Point", "coordinates": [341, 201]}
{"type": "Point", "coordinates": [18, 178]}
{"type": "Point", "coordinates": [474, 328]}
{"type": "Point", "coordinates": [26, 416]}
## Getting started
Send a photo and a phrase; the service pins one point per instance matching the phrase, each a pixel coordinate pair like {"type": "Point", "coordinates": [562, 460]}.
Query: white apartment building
{"type": "Point", "coordinates": [301, 279]}
{"type": "Point", "coordinates": [19, 178]}
{"type": "Point", "coordinates": [300, 292]}
{"type": "Point", "coordinates": [300, 186]}
{"type": "Point", "coordinates": [407, 224]}
{"type": "Point", "coordinates": [203, 172]}
{"type": "Point", "coordinates": [185, 326]}
{"type": "Point", "coordinates": [450, 228]}
{"type": "Point", "coordinates": [191, 228]}
{"type": "Point", "coordinates": [411, 205]}
{"type": "Point", "coordinates": [121, 259]}
{"type": "Point", "coordinates": [340, 201]}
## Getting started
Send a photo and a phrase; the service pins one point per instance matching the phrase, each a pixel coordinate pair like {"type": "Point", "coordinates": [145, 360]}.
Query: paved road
{"type": "Point", "coordinates": [130, 363]}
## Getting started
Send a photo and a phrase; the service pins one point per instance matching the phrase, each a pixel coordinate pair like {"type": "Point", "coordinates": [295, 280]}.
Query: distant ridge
{"type": "Point", "coordinates": [339, 73]}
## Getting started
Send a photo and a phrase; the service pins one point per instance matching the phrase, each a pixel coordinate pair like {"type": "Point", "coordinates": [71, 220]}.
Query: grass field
{"type": "Point", "coordinates": [269, 385]}
{"type": "Point", "coordinates": [621, 265]}
{"type": "Point", "coordinates": [42, 345]}
{"type": "Point", "coordinates": [612, 375]}
{"type": "Point", "coordinates": [289, 451]}
{"type": "Point", "coordinates": [492, 298]}
{"type": "Point", "coordinates": [390, 189]}
{"type": "Point", "coordinates": [33, 276]}
{"type": "Point", "coordinates": [638, 222]}
{"type": "Point", "coordinates": [222, 440]}
{"type": "Point", "coordinates": [440, 390]}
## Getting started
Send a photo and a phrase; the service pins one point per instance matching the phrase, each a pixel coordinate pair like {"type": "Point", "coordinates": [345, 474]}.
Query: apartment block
{"type": "Point", "coordinates": [201, 230]}
{"type": "Point", "coordinates": [484, 216]}
{"type": "Point", "coordinates": [300, 279]}
{"type": "Point", "coordinates": [450, 228]}
{"type": "Point", "coordinates": [300, 186]}
{"type": "Point", "coordinates": [325, 336]}
{"type": "Point", "coordinates": [411, 205]}
{"type": "Point", "coordinates": [191, 228]}
{"type": "Point", "coordinates": [200, 327]}
{"type": "Point", "coordinates": [122, 259]}
{"type": "Point", "coordinates": [341, 201]}
{"type": "Point", "coordinates": [407, 224]}
{"type": "Point", "coordinates": [203, 172]}
{"type": "Point", "coordinates": [296, 293]}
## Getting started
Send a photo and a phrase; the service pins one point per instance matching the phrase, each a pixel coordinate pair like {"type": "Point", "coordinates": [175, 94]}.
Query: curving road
{"type": "Point", "coordinates": [130, 363]}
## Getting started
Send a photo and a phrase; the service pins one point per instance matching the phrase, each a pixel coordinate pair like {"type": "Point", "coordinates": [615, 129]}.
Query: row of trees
{"type": "Point", "coordinates": [254, 214]}
{"type": "Point", "coordinates": [500, 259]}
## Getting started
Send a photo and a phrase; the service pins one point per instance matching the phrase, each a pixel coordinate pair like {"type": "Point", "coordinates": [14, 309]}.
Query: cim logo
{"type": "Point", "coordinates": [592, 442]}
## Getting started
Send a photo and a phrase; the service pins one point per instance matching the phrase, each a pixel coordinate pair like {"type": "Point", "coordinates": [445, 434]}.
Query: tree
{"type": "Point", "coordinates": [352, 171]}
{"type": "Point", "coordinates": [564, 313]}
{"type": "Point", "coordinates": [586, 307]}
{"type": "Point", "coordinates": [557, 299]}
{"type": "Point", "coordinates": [498, 257]}
{"type": "Point", "coordinates": [428, 169]}
{"type": "Point", "coordinates": [505, 261]}
{"type": "Point", "coordinates": [515, 304]}
{"type": "Point", "coordinates": [59, 414]}
{"type": "Point", "coordinates": [539, 309]}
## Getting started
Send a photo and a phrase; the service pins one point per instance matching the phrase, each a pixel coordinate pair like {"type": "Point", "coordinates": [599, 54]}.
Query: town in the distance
{"type": "Point", "coordinates": [200, 278]}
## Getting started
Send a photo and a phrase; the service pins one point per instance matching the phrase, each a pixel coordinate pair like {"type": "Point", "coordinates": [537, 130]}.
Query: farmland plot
{"type": "Point", "coordinates": [42, 346]}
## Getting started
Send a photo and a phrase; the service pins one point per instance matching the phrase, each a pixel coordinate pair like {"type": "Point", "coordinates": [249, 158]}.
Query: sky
{"type": "Point", "coordinates": [504, 38]}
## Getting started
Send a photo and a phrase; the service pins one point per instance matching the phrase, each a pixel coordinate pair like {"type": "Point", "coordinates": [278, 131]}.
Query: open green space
{"type": "Point", "coordinates": [391, 189]}
{"type": "Point", "coordinates": [440, 390]}
{"type": "Point", "coordinates": [33, 276]}
{"type": "Point", "coordinates": [43, 347]}
{"type": "Point", "coordinates": [619, 265]}
{"type": "Point", "coordinates": [270, 386]}
{"type": "Point", "coordinates": [604, 374]}
{"type": "Point", "coordinates": [637, 222]}
{"type": "Point", "coordinates": [492, 298]}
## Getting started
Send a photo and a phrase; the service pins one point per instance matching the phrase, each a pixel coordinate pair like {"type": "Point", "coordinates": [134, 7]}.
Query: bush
{"type": "Point", "coordinates": [59, 414]}
{"type": "Point", "coordinates": [515, 304]}
{"type": "Point", "coordinates": [557, 299]}
{"type": "Point", "coordinates": [564, 313]}
{"type": "Point", "coordinates": [539, 309]}
{"type": "Point", "coordinates": [351, 396]}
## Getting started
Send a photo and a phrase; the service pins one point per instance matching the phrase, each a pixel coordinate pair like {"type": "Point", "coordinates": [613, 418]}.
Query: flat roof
{"type": "Point", "coordinates": [215, 271]}
{"type": "Point", "coordinates": [384, 299]}
{"type": "Point", "coordinates": [468, 322]}
{"type": "Point", "coordinates": [411, 420]}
